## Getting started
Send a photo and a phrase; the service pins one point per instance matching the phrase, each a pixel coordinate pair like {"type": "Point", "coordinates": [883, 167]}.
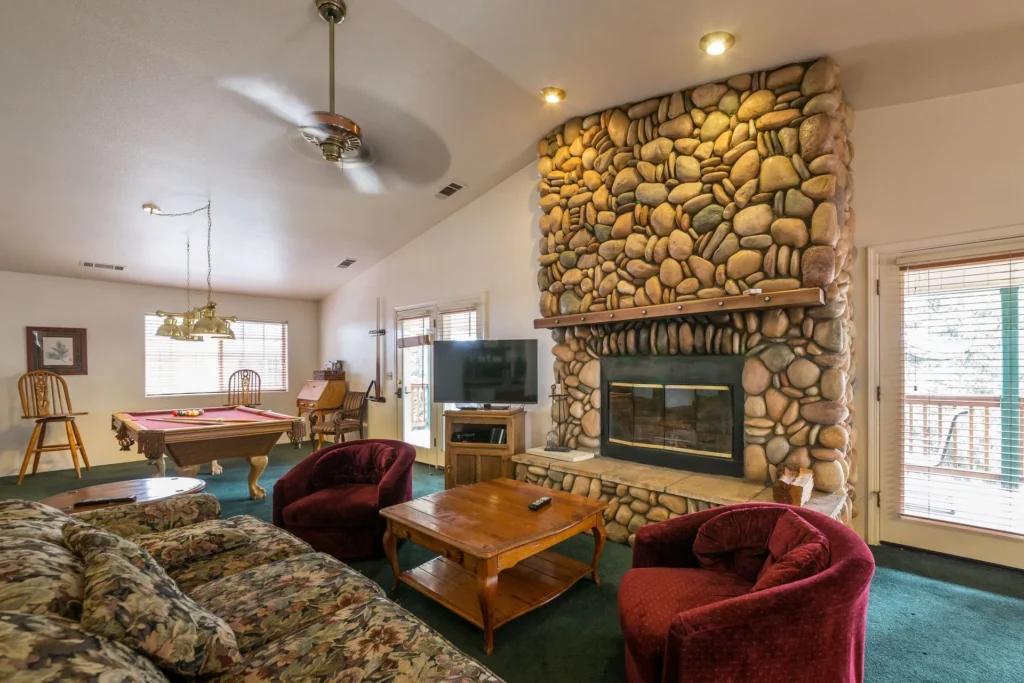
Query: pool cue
{"type": "Point", "coordinates": [198, 420]}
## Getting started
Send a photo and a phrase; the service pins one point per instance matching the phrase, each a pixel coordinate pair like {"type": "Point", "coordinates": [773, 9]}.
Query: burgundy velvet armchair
{"type": "Point", "coordinates": [753, 592]}
{"type": "Point", "coordinates": [332, 499]}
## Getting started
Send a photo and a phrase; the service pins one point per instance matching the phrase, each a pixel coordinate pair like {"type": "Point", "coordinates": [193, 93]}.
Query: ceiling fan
{"type": "Point", "coordinates": [339, 140]}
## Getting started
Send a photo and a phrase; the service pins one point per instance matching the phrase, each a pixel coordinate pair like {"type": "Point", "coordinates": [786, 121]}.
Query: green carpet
{"type": "Point", "coordinates": [930, 618]}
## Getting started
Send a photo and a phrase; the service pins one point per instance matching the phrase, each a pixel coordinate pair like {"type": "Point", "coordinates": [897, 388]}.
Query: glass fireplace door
{"type": "Point", "coordinates": [688, 418]}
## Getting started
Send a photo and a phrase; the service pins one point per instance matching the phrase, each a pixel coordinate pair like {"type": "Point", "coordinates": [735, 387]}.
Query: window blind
{"type": "Point", "coordinates": [459, 325]}
{"type": "Point", "coordinates": [961, 427]}
{"type": "Point", "coordinates": [176, 368]}
{"type": "Point", "coordinates": [414, 331]}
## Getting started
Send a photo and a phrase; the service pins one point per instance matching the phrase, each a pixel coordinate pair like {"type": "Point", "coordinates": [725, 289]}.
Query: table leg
{"type": "Point", "coordinates": [257, 464]}
{"type": "Point", "coordinates": [599, 537]}
{"type": "Point", "coordinates": [160, 464]}
{"type": "Point", "coordinates": [391, 552]}
{"type": "Point", "coordinates": [487, 590]}
{"type": "Point", "coordinates": [190, 471]}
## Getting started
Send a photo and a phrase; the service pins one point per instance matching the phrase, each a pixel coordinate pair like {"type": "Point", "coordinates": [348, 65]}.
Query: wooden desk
{"type": "Point", "coordinates": [144, 490]}
{"type": "Point", "coordinates": [320, 394]}
{"type": "Point", "coordinates": [494, 562]}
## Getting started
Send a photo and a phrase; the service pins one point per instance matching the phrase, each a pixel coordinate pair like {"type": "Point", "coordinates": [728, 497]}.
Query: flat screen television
{"type": "Point", "coordinates": [489, 371]}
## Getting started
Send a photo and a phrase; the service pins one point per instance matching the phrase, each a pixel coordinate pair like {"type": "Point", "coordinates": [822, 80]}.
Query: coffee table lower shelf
{"type": "Point", "coordinates": [522, 588]}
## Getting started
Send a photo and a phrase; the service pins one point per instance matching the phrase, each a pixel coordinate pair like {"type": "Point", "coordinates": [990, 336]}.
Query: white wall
{"type": "Point", "coordinates": [113, 315]}
{"type": "Point", "coordinates": [946, 166]}
{"type": "Point", "coordinates": [488, 247]}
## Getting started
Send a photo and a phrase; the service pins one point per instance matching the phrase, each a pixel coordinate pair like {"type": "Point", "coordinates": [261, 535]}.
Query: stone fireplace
{"type": "Point", "coordinates": [686, 416]}
{"type": "Point", "coordinates": [710, 225]}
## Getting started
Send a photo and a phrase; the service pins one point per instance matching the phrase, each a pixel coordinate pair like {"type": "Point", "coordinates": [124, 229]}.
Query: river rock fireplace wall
{"type": "Point", "coordinates": [713, 222]}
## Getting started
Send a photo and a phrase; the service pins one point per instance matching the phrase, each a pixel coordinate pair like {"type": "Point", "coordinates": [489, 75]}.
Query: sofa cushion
{"type": "Point", "coordinates": [28, 519]}
{"type": "Point", "coordinates": [651, 597]}
{"type": "Point", "coordinates": [796, 550]}
{"type": "Point", "coordinates": [145, 611]}
{"type": "Point", "coordinates": [180, 547]}
{"type": "Point", "coordinates": [736, 541]}
{"type": "Point", "coordinates": [267, 544]}
{"type": "Point", "coordinates": [161, 515]}
{"type": "Point", "coordinates": [373, 641]}
{"type": "Point", "coordinates": [346, 505]}
{"type": "Point", "coordinates": [362, 463]}
{"type": "Point", "coordinates": [269, 602]}
{"type": "Point", "coordinates": [86, 540]}
{"type": "Point", "coordinates": [40, 578]}
{"type": "Point", "coordinates": [41, 649]}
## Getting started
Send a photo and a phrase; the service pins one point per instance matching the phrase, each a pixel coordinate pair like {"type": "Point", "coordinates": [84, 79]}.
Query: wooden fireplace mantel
{"type": "Point", "coordinates": [807, 296]}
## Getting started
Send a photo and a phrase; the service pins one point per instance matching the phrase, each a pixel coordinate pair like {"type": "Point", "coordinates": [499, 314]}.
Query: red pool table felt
{"type": "Point", "coordinates": [154, 419]}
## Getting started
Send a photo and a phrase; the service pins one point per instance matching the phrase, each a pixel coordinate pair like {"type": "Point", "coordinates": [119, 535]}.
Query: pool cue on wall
{"type": "Point", "coordinates": [378, 335]}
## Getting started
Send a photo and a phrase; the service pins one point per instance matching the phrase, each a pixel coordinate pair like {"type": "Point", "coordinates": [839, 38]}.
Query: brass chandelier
{"type": "Point", "coordinates": [200, 322]}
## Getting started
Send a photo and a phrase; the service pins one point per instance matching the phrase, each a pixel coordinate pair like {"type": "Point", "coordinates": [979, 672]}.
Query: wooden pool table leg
{"type": "Point", "coordinates": [160, 465]}
{"type": "Point", "coordinates": [257, 464]}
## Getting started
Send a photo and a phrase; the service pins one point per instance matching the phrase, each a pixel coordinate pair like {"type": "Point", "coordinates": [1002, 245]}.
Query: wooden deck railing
{"type": "Point", "coordinates": [419, 396]}
{"type": "Point", "coordinates": [963, 433]}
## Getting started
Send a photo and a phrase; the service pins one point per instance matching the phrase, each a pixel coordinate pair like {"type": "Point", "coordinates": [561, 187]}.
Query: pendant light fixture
{"type": "Point", "coordinates": [200, 322]}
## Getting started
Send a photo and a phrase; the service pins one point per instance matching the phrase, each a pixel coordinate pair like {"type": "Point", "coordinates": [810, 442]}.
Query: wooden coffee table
{"type": "Point", "coordinates": [144, 490]}
{"type": "Point", "coordinates": [494, 564]}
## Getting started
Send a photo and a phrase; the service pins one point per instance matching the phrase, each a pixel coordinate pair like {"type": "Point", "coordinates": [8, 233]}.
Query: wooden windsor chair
{"type": "Point", "coordinates": [245, 388]}
{"type": "Point", "coordinates": [45, 399]}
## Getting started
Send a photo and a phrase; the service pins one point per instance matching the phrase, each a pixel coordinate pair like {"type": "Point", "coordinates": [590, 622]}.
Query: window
{"type": "Point", "coordinates": [962, 400]}
{"type": "Point", "coordinates": [458, 325]}
{"type": "Point", "coordinates": [175, 368]}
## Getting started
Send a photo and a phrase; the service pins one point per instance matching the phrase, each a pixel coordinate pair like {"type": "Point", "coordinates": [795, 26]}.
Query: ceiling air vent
{"type": "Point", "coordinates": [448, 190]}
{"type": "Point", "coordinates": [346, 263]}
{"type": "Point", "coordinates": [101, 266]}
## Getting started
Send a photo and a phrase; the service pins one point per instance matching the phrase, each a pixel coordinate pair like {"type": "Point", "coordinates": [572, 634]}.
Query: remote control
{"type": "Point", "coordinates": [103, 501]}
{"type": "Point", "coordinates": [540, 502]}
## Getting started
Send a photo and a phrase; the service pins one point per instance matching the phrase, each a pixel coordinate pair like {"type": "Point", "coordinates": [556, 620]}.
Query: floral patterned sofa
{"type": "Point", "coordinates": [169, 591]}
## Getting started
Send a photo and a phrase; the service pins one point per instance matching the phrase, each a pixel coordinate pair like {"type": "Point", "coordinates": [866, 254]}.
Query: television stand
{"type": "Point", "coordinates": [482, 406]}
{"type": "Point", "coordinates": [479, 444]}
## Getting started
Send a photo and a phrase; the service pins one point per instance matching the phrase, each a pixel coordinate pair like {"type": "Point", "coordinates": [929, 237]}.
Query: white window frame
{"type": "Point", "coordinates": [967, 244]}
{"type": "Point", "coordinates": [287, 358]}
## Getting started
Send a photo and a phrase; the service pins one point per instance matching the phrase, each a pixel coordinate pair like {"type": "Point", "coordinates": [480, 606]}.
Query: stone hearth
{"type": "Point", "coordinates": [639, 494]}
{"type": "Point", "coordinates": [730, 189]}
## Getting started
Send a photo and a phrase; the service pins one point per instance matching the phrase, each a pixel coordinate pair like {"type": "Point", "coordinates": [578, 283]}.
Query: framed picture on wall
{"type": "Point", "coordinates": [57, 349]}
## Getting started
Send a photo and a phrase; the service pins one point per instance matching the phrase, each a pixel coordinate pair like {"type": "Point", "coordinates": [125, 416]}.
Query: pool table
{"type": "Point", "coordinates": [243, 433]}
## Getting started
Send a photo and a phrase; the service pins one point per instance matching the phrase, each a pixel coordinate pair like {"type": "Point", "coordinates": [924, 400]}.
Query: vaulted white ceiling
{"type": "Point", "coordinates": [107, 104]}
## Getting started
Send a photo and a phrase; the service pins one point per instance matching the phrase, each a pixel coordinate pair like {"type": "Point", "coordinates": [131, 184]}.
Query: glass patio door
{"type": "Point", "coordinates": [414, 385]}
{"type": "Point", "coordinates": [422, 421]}
{"type": "Point", "coordinates": [950, 381]}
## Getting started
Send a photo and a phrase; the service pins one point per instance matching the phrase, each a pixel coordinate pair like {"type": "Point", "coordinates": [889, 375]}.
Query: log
{"type": "Point", "coordinates": [794, 487]}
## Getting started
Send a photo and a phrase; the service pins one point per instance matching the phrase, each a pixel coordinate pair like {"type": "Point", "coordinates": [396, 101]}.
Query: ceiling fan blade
{"type": "Point", "coordinates": [365, 179]}
{"type": "Point", "coordinates": [272, 97]}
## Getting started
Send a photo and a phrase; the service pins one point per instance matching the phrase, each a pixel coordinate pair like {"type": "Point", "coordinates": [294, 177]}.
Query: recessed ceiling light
{"type": "Point", "coordinates": [151, 208]}
{"type": "Point", "coordinates": [552, 95]}
{"type": "Point", "coordinates": [717, 43]}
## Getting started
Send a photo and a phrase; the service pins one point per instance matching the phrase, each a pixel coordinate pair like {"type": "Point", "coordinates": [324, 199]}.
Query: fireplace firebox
{"type": "Point", "coordinates": [683, 413]}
